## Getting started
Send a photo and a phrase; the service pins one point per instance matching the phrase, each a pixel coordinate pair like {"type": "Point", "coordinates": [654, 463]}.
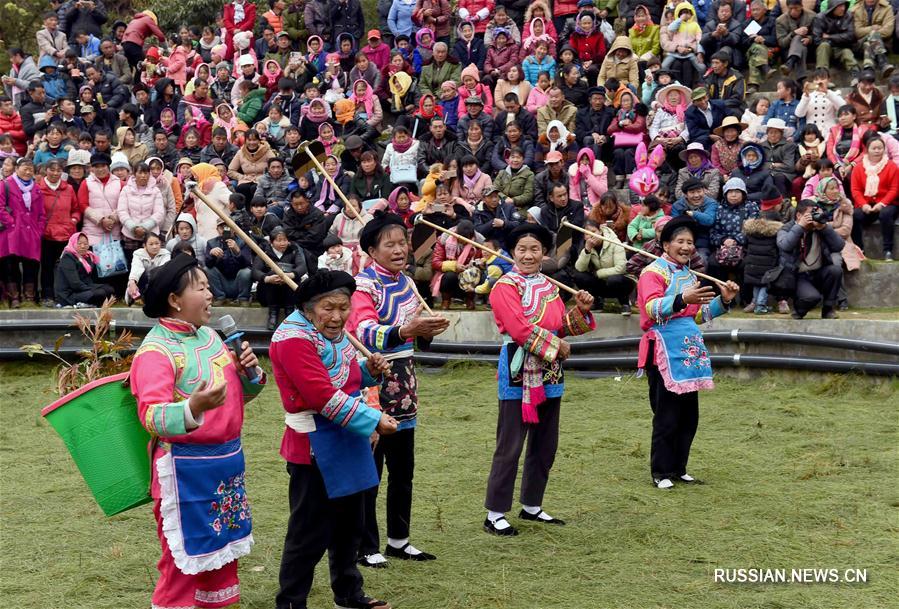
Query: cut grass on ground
{"type": "Point", "coordinates": [798, 475]}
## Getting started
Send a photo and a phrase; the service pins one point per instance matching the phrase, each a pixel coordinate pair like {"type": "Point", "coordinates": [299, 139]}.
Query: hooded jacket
{"type": "Point", "coordinates": [590, 187]}
{"type": "Point", "coordinates": [467, 53]}
{"type": "Point", "coordinates": [58, 84]}
{"type": "Point", "coordinates": [841, 30]}
{"type": "Point", "coordinates": [195, 241]}
{"type": "Point", "coordinates": [685, 35]}
{"type": "Point", "coordinates": [625, 70]}
{"type": "Point", "coordinates": [761, 253]}
{"type": "Point", "coordinates": [140, 207]}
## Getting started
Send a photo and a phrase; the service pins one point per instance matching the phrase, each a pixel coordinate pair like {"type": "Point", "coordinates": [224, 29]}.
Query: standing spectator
{"type": "Point", "coordinates": [98, 198]}
{"type": "Point", "coordinates": [761, 257]}
{"type": "Point", "coordinates": [63, 216]}
{"type": "Point", "coordinates": [24, 217]}
{"type": "Point", "coordinates": [726, 238]}
{"type": "Point", "coordinates": [83, 15]}
{"type": "Point", "coordinates": [875, 193]}
{"type": "Point", "coordinates": [833, 32]}
{"type": "Point", "coordinates": [435, 14]}
{"type": "Point", "coordinates": [317, 17]}
{"type": "Point", "coordinates": [22, 72]}
{"type": "Point", "coordinates": [142, 26]}
{"type": "Point", "coordinates": [141, 209]}
{"type": "Point", "coordinates": [238, 16]}
{"type": "Point", "coordinates": [274, 17]}
{"type": "Point", "coordinates": [794, 37]}
{"type": "Point", "coordinates": [51, 41]}
{"type": "Point", "coordinates": [346, 17]}
{"type": "Point", "coordinates": [806, 254]}
{"type": "Point", "coordinates": [400, 18]}
{"type": "Point", "coordinates": [478, 12]}
{"type": "Point", "coordinates": [784, 107]}
{"type": "Point", "coordinates": [874, 22]}
{"type": "Point", "coordinates": [114, 62]}
{"type": "Point", "coordinates": [228, 266]}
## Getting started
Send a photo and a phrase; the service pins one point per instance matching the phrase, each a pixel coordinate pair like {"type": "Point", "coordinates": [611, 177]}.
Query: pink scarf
{"type": "Point", "coordinates": [872, 173]}
{"type": "Point", "coordinates": [677, 110]}
{"type": "Point", "coordinates": [366, 99]}
{"type": "Point", "coordinates": [470, 183]}
{"type": "Point", "coordinates": [72, 248]}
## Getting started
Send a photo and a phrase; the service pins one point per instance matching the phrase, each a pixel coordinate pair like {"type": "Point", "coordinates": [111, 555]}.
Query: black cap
{"type": "Point", "coordinates": [353, 142]}
{"type": "Point", "coordinates": [675, 225]}
{"type": "Point", "coordinates": [322, 282]}
{"type": "Point", "coordinates": [692, 184]}
{"type": "Point", "coordinates": [162, 282]}
{"type": "Point", "coordinates": [100, 158]}
{"type": "Point", "coordinates": [371, 232]}
{"type": "Point", "coordinates": [529, 229]}
{"type": "Point", "coordinates": [592, 90]}
{"type": "Point", "coordinates": [867, 75]}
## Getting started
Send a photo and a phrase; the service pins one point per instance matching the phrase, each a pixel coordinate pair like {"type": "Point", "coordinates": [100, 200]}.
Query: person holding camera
{"type": "Point", "coordinates": [228, 265]}
{"type": "Point", "coordinates": [807, 244]}
{"type": "Point", "coordinates": [875, 192]}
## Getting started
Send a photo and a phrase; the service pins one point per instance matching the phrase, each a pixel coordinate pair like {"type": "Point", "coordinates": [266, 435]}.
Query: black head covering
{"type": "Point", "coordinates": [322, 282]}
{"type": "Point", "coordinates": [675, 225]}
{"type": "Point", "coordinates": [163, 281]}
{"type": "Point", "coordinates": [368, 237]}
{"type": "Point", "coordinates": [525, 229]}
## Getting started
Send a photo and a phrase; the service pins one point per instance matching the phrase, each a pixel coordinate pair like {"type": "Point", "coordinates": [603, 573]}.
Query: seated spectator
{"type": "Point", "coordinates": [589, 44]}
{"type": "Point", "coordinates": [306, 227]}
{"type": "Point", "coordinates": [451, 258]}
{"type": "Point", "coordinates": [833, 35]}
{"type": "Point", "coordinates": [668, 127]}
{"type": "Point", "coordinates": [725, 83]}
{"type": "Point", "coordinates": [186, 235]}
{"type": "Point", "coordinates": [806, 257]}
{"type": "Point", "coordinates": [494, 218]}
{"type": "Point", "coordinates": [346, 227]}
{"type": "Point", "coordinates": [812, 149]}
{"type": "Point", "coordinates": [587, 179]}
{"type": "Point", "coordinates": [228, 263]}
{"type": "Point", "coordinates": [513, 137]}
{"type": "Point", "coordinates": [794, 37]}
{"type": "Point", "coordinates": [537, 57]}
{"type": "Point", "coordinates": [539, 95]}
{"type": "Point", "coordinates": [260, 221]}
{"type": "Point", "coordinates": [273, 185]}
{"type": "Point", "coordinates": [874, 25]}
{"type": "Point", "coordinates": [611, 212]}
{"type": "Point", "coordinates": [370, 183]}
{"type": "Point", "coordinates": [628, 130]}
{"type": "Point", "coordinates": [325, 197]}
{"type": "Point", "coordinates": [781, 155]}
{"type": "Point", "coordinates": [511, 81]}
{"type": "Point", "coordinates": [74, 283]}
{"type": "Point", "coordinates": [502, 54]}
{"type": "Point", "coordinates": [620, 63]}
{"type": "Point", "coordinates": [641, 229]}
{"type": "Point", "coordinates": [681, 37]}
{"type": "Point", "coordinates": [474, 144]}
{"type": "Point", "coordinates": [698, 167]}
{"type": "Point", "coordinates": [726, 149]}
{"type": "Point", "coordinates": [336, 256]}
{"type": "Point", "coordinates": [754, 172]}
{"type": "Point", "coordinates": [250, 163]}
{"type": "Point", "coordinates": [273, 292]}
{"type": "Point", "coordinates": [703, 210]}
{"type": "Point", "coordinates": [703, 116]}
{"type": "Point", "coordinates": [400, 158]}
{"type": "Point", "coordinates": [152, 255]}
{"type": "Point", "coordinates": [867, 99]}
{"type": "Point", "coordinates": [875, 193]}
{"type": "Point", "coordinates": [472, 182]}
{"type": "Point", "coordinates": [516, 182]}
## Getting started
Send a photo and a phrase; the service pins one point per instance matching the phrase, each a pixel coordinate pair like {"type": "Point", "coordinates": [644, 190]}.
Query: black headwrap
{"type": "Point", "coordinates": [675, 225]}
{"type": "Point", "coordinates": [529, 229]}
{"type": "Point", "coordinates": [381, 220]}
{"type": "Point", "coordinates": [163, 281]}
{"type": "Point", "coordinates": [322, 282]}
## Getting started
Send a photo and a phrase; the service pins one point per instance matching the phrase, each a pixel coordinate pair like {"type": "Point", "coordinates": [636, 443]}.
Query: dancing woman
{"type": "Point", "coordinates": [326, 442]}
{"type": "Point", "coordinates": [191, 392]}
{"type": "Point", "coordinates": [385, 317]}
{"type": "Point", "coordinates": [672, 352]}
{"type": "Point", "coordinates": [531, 315]}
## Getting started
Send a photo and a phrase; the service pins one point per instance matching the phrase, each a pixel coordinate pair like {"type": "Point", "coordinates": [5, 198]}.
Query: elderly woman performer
{"type": "Point", "coordinates": [320, 381]}
{"type": "Point", "coordinates": [385, 317]}
{"type": "Point", "coordinates": [672, 352]}
{"type": "Point", "coordinates": [531, 315]}
{"type": "Point", "coordinates": [191, 390]}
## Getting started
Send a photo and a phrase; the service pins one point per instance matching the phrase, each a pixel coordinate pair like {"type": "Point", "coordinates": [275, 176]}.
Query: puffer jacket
{"type": "Point", "coordinates": [23, 225]}
{"type": "Point", "coordinates": [761, 253]}
{"type": "Point", "coordinates": [840, 29]}
{"type": "Point", "coordinates": [590, 188]}
{"type": "Point", "coordinates": [102, 201]}
{"type": "Point", "coordinates": [140, 207]}
{"type": "Point", "coordinates": [61, 207]}
{"type": "Point", "coordinates": [273, 189]}
{"type": "Point", "coordinates": [605, 260]}
{"type": "Point", "coordinates": [704, 216]}
{"type": "Point", "coordinates": [501, 59]}
{"type": "Point", "coordinates": [249, 166]}
{"type": "Point", "coordinates": [518, 186]}
{"type": "Point", "coordinates": [729, 222]}
{"type": "Point", "coordinates": [671, 39]}
{"type": "Point", "coordinates": [478, 12]}
{"type": "Point", "coordinates": [588, 46]}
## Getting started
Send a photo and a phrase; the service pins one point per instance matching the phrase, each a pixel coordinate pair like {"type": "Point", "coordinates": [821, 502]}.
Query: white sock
{"type": "Point", "coordinates": [401, 543]}
{"type": "Point", "coordinates": [499, 520]}
{"type": "Point", "coordinates": [376, 559]}
{"type": "Point", "coordinates": [664, 483]}
{"type": "Point", "coordinates": [533, 510]}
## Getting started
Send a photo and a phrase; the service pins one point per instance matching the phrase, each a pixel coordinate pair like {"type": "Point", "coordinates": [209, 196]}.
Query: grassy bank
{"type": "Point", "coordinates": [798, 475]}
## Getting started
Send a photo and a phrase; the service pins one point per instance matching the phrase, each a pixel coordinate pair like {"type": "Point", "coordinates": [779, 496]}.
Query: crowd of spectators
{"type": "Point", "coordinates": [614, 116]}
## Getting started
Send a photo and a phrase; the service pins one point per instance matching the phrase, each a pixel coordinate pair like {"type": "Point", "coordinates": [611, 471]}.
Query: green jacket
{"type": "Point", "coordinates": [641, 230]}
{"type": "Point", "coordinates": [519, 187]}
{"type": "Point", "coordinates": [608, 261]}
{"type": "Point", "coordinates": [432, 77]}
{"type": "Point", "coordinates": [251, 106]}
{"type": "Point", "coordinates": [295, 25]}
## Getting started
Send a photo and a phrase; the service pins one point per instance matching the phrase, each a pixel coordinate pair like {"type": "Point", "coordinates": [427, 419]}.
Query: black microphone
{"type": "Point", "coordinates": [232, 335]}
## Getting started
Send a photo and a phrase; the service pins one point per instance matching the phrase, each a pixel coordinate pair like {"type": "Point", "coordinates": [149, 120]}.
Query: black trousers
{"type": "Point", "coordinates": [887, 217]}
{"type": "Point", "coordinates": [511, 432]}
{"type": "Point", "coordinates": [134, 53]}
{"type": "Point", "coordinates": [625, 160]}
{"type": "Point", "coordinates": [274, 295]}
{"type": "Point", "coordinates": [316, 524]}
{"type": "Point", "coordinates": [50, 253]}
{"type": "Point", "coordinates": [820, 286]}
{"type": "Point", "coordinates": [449, 285]}
{"type": "Point", "coordinates": [675, 418]}
{"type": "Point", "coordinates": [398, 452]}
{"type": "Point", "coordinates": [614, 286]}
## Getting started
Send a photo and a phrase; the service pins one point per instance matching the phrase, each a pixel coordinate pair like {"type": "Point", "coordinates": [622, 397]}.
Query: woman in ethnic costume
{"type": "Point", "coordinates": [320, 381]}
{"type": "Point", "coordinates": [672, 352]}
{"type": "Point", "coordinates": [386, 318]}
{"type": "Point", "coordinates": [531, 316]}
{"type": "Point", "coordinates": [190, 394]}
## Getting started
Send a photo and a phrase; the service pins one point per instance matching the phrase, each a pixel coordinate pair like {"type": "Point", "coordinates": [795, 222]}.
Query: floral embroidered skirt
{"type": "Point", "coordinates": [399, 390]}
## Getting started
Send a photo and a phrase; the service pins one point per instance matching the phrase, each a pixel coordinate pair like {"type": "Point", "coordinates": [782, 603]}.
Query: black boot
{"type": "Point", "coordinates": [272, 318]}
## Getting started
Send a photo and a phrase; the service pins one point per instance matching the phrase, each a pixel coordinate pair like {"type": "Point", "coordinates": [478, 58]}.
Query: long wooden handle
{"type": "Point", "coordinates": [330, 180]}
{"type": "Point", "coordinates": [634, 249]}
{"type": "Point", "coordinates": [251, 243]}
{"type": "Point", "coordinates": [492, 252]}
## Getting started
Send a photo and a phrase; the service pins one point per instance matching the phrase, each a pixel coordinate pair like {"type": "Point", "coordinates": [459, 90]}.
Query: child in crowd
{"type": "Point", "coordinates": [494, 267]}
{"type": "Point", "coordinates": [641, 229]}
{"type": "Point", "coordinates": [336, 257]}
{"type": "Point", "coordinates": [186, 233]}
{"type": "Point", "coordinates": [146, 258]}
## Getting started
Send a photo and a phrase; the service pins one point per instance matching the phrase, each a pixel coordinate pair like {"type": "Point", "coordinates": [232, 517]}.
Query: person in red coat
{"type": "Point", "coordinates": [63, 216]}
{"type": "Point", "coordinates": [479, 12]}
{"type": "Point", "coordinates": [11, 124]}
{"type": "Point", "coordinates": [23, 218]}
{"type": "Point", "coordinates": [239, 16]}
{"type": "Point", "coordinates": [589, 44]}
{"type": "Point", "coordinates": [875, 193]}
{"type": "Point", "coordinates": [142, 26]}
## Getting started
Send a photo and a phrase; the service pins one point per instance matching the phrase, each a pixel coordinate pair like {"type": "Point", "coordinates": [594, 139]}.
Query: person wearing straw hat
{"type": "Point", "coordinates": [699, 167]}
{"type": "Point", "coordinates": [386, 319]}
{"type": "Point", "coordinates": [326, 442]}
{"type": "Point", "coordinates": [531, 316]}
{"type": "Point", "coordinates": [191, 390]}
{"type": "Point", "coordinates": [781, 154]}
{"type": "Point", "coordinates": [668, 128]}
{"type": "Point", "coordinates": [672, 353]}
{"type": "Point", "coordinates": [726, 149]}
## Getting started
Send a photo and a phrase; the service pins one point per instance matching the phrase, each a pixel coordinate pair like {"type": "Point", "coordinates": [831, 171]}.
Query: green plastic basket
{"type": "Point", "coordinates": [100, 427]}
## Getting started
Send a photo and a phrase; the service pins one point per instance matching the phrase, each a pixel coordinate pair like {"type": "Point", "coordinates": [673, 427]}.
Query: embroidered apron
{"type": "Point", "coordinates": [681, 356]}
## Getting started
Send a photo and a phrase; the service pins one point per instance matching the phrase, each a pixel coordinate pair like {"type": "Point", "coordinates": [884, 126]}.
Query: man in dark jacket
{"type": "Point", "coordinates": [346, 16]}
{"type": "Point", "coordinates": [37, 114]}
{"type": "Point", "coordinates": [474, 112]}
{"type": "Point", "coordinates": [287, 98]}
{"type": "Point", "coordinates": [228, 263]}
{"type": "Point", "coordinates": [592, 122]}
{"type": "Point", "coordinates": [516, 112]}
{"type": "Point", "coordinates": [495, 219]}
{"type": "Point", "coordinates": [833, 33]}
{"type": "Point", "coordinates": [724, 33]}
{"type": "Point", "coordinates": [704, 116]}
{"type": "Point", "coordinates": [553, 175]}
{"type": "Point", "coordinates": [219, 148]}
{"type": "Point", "coordinates": [727, 84]}
{"type": "Point", "coordinates": [83, 15]}
{"type": "Point", "coordinates": [306, 226]}
{"type": "Point", "coordinates": [806, 249]}
{"type": "Point", "coordinates": [107, 87]}
{"type": "Point", "coordinates": [437, 145]}
{"type": "Point", "coordinates": [559, 264]}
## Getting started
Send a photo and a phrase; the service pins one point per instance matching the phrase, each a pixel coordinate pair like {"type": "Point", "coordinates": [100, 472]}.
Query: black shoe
{"type": "Point", "coordinates": [272, 318]}
{"type": "Point", "coordinates": [401, 554]}
{"type": "Point", "coordinates": [366, 561]}
{"type": "Point", "coordinates": [363, 602]}
{"type": "Point", "coordinates": [797, 315]}
{"type": "Point", "coordinates": [490, 527]}
{"type": "Point", "coordinates": [536, 518]}
{"type": "Point", "coordinates": [829, 313]}
{"type": "Point", "coordinates": [843, 306]}
{"type": "Point", "coordinates": [787, 68]}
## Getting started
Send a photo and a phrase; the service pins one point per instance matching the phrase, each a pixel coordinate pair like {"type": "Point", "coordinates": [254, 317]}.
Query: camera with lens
{"type": "Point", "coordinates": [822, 215]}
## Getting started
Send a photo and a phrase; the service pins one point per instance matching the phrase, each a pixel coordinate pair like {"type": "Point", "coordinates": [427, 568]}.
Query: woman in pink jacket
{"type": "Point", "coordinates": [176, 64]}
{"type": "Point", "coordinates": [23, 217]}
{"type": "Point", "coordinates": [141, 209]}
{"type": "Point", "coordinates": [142, 26]}
{"type": "Point", "coordinates": [588, 179]}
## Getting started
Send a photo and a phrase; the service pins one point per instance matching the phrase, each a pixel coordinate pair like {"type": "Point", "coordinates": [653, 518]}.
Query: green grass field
{"type": "Point", "coordinates": [798, 475]}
